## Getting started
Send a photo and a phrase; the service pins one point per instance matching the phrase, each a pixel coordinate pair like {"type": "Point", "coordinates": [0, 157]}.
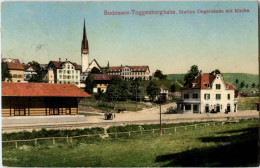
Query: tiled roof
{"type": "Point", "coordinates": [104, 77]}
{"type": "Point", "coordinates": [14, 64]}
{"type": "Point", "coordinates": [42, 90]}
{"type": "Point", "coordinates": [58, 64]}
{"type": "Point", "coordinates": [200, 82]}
{"type": "Point", "coordinates": [134, 68]}
{"type": "Point", "coordinates": [164, 87]}
{"type": "Point", "coordinates": [27, 67]}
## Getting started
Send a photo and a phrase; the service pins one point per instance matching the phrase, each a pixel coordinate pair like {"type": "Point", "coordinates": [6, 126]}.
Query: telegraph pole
{"type": "Point", "coordinates": [136, 97]}
{"type": "Point", "coordinates": [160, 115]}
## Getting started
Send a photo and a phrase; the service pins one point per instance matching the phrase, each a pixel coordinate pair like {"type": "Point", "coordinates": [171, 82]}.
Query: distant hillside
{"type": "Point", "coordinates": [228, 77]}
{"type": "Point", "coordinates": [176, 77]}
{"type": "Point", "coordinates": [166, 83]}
{"type": "Point", "coordinates": [247, 78]}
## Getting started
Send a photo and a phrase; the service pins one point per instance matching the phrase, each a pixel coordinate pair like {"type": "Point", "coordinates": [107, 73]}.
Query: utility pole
{"type": "Point", "coordinates": [136, 97]}
{"type": "Point", "coordinates": [160, 115]}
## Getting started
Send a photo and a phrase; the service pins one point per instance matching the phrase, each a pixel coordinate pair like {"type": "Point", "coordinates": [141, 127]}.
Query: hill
{"type": "Point", "coordinates": [228, 77]}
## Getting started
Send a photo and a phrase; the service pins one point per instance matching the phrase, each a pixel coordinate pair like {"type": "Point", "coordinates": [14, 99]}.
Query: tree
{"type": "Point", "coordinates": [152, 90]}
{"type": "Point", "coordinates": [191, 74]}
{"type": "Point", "coordinates": [90, 84]}
{"type": "Point", "coordinates": [5, 73]}
{"type": "Point", "coordinates": [253, 85]}
{"type": "Point", "coordinates": [242, 84]}
{"type": "Point", "coordinates": [237, 81]}
{"type": "Point", "coordinates": [135, 90]}
{"type": "Point", "coordinates": [216, 71]}
{"type": "Point", "coordinates": [118, 90]}
{"type": "Point", "coordinates": [158, 73]}
{"type": "Point", "coordinates": [173, 88]}
{"type": "Point", "coordinates": [95, 70]}
{"type": "Point", "coordinates": [39, 74]}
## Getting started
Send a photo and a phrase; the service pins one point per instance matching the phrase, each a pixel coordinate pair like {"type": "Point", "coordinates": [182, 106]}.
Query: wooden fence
{"type": "Point", "coordinates": [129, 133]}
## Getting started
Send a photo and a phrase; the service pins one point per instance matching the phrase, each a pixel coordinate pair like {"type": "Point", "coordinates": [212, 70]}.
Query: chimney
{"type": "Point", "coordinates": [66, 59]}
{"type": "Point", "coordinates": [60, 59]}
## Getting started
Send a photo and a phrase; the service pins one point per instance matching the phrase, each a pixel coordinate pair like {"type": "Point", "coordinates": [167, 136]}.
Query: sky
{"type": "Point", "coordinates": [45, 31]}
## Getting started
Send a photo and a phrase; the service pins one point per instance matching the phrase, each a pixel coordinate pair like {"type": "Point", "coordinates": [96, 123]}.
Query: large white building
{"type": "Point", "coordinates": [130, 72]}
{"type": "Point", "coordinates": [207, 93]}
{"type": "Point", "coordinates": [63, 72]}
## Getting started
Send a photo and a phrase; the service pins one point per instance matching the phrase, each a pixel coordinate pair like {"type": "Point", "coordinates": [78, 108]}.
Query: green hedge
{"type": "Point", "coordinates": [50, 133]}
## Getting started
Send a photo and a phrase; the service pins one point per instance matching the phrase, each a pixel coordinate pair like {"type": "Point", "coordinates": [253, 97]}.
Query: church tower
{"type": "Point", "coordinates": [84, 50]}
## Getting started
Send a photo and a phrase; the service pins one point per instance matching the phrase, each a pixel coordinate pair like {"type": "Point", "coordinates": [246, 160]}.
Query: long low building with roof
{"type": "Point", "coordinates": [130, 72]}
{"type": "Point", "coordinates": [40, 99]}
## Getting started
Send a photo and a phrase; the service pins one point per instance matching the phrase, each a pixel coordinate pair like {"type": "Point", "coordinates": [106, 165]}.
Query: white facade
{"type": "Point", "coordinates": [63, 72]}
{"type": "Point", "coordinates": [216, 97]}
{"type": "Point", "coordinates": [68, 74]}
{"type": "Point", "coordinates": [131, 72]}
{"type": "Point", "coordinates": [84, 61]}
{"type": "Point", "coordinates": [28, 73]}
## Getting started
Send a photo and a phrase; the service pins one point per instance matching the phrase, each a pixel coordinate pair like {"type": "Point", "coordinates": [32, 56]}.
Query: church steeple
{"type": "Point", "coordinates": [84, 51]}
{"type": "Point", "coordinates": [84, 45]}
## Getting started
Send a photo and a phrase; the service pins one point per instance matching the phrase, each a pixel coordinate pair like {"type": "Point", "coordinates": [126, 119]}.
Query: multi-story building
{"type": "Point", "coordinates": [102, 81]}
{"type": "Point", "coordinates": [207, 93]}
{"type": "Point", "coordinates": [130, 72]}
{"type": "Point", "coordinates": [29, 71]}
{"type": "Point", "coordinates": [15, 68]}
{"type": "Point", "coordinates": [63, 72]}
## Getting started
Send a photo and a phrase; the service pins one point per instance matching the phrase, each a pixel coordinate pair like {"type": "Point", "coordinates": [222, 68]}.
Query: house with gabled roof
{"type": "Point", "coordinates": [65, 72]}
{"type": "Point", "coordinates": [15, 68]}
{"type": "Point", "coordinates": [207, 93]}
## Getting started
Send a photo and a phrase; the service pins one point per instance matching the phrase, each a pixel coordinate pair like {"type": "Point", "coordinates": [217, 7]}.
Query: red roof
{"type": "Point", "coordinates": [104, 77]}
{"type": "Point", "coordinates": [14, 64]}
{"type": "Point", "coordinates": [58, 64]}
{"type": "Point", "coordinates": [42, 90]}
{"type": "Point", "coordinates": [164, 87]}
{"type": "Point", "coordinates": [134, 68]}
{"type": "Point", "coordinates": [200, 82]}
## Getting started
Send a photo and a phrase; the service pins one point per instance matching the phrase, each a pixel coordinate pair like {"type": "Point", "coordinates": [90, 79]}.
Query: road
{"type": "Point", "coordinates": [146, 116]}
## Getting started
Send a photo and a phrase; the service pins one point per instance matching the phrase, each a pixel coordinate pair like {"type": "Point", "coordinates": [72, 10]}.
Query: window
{"type": "Point", "coordinates": [14, 76]}
{"type": "Point", "coordinates": [218, 86]}
{"type": "Point", "coordinates": [64, 71]}
{"type": "Point", "coordinates": [60, 76]}
{"type": "Point", "coordinates": [68, 71]}
{"type": "Point", "coordinates": [228, 96]}
{"type": "Point", "coordinates": [60, 71]}
{"type": "Point", "coordinates": [64, 76]}
{"type": "Point", "coordinates": [188, 107]}
{"type": "Point", "coordinates": [206, 96]}
{"type": "Point", "coordinates": [218, 96]}
{"type": "Point", "coordinates": [186, 96]}
{"type": "Point", "coordinates": [72, 77]}
{"type": "Point", "coordinates": [195, 96]}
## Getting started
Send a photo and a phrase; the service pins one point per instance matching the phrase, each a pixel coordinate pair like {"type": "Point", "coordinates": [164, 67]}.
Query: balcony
{"type": "Point", "coordinates": [188, 101]}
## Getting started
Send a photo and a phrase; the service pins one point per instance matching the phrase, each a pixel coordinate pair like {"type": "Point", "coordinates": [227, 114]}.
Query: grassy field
{"type": "Point", "coordinates": [247, 103]}
{"type": "Point", "coordinates": [106, 106]}
{"type": "Point", "coordinates": [232, 144]}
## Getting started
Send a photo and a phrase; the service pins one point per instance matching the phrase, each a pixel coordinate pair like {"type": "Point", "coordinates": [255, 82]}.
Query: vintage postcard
{"type": "Point", "coordinates": [129, 84]}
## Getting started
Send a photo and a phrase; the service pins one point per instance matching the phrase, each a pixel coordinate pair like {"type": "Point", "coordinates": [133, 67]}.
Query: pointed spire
{"type": "Point", "coordinates": [84, 45]}
{"type": "Point", "coordinates": [84, 31]}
